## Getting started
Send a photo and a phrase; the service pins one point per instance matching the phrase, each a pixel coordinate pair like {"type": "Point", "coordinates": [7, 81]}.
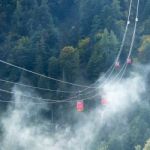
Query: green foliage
{"type": "Point", "coordinates": [138, 147]}
{"type": "Point", "coordinates": [105, 48]}
{"type": "Point", "coordinates": [105, 147]}
{"type": "Point", "coordinates": [95, 65]}
{"type": "Point", "coordinates": [69, 58]}
{"type": "Point", "coordinates": [144, 52]}
{"type": "Point", "coordinates": [23, 54]}
{"type": "Point", "coordinates": [145, 43]}
{"type": "Point", "coordinates": [145, 27]}
{"type": "Point", "coordinates": [147, 145]}
{"type": "Point", "coordinates": [35, 33]}
{"type": "Point", "coordinates": [54, 67]}
{"type": "Point", "coordinates": [84, 51]}
{"type": "Point", "coordinates": [54, 71]}
{"type": "Point", "coordinates": [84, 43]}
{"type": "Point", "coordinates": [146, 10]}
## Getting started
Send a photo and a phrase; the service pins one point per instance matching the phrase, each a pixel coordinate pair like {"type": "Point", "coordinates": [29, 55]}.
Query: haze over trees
{"type": "Point", "coordinates": [75, 41]}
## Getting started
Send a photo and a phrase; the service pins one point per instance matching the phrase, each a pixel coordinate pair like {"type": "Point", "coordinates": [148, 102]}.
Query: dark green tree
{"type": "Point", "coordinates": [147, 145]}
{"type": "Point", "coordinates": [144, 52]}
{"type": "Point", "coordinates": [105, 48]}
{"type": "Point", "coordinates": [69, 58]}
{"type": "Point", "coordinates": [54, 71]}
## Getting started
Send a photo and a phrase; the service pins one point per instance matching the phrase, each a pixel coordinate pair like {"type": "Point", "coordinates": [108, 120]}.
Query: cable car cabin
{"type": "Point", "coordinates": [129, 61]}
{"type": "Point", "coordinates": [117, 64]}
{"type": "Point", "coordinates": [104, 101]}
{"type": "Point", "coordinates": [80, 106]}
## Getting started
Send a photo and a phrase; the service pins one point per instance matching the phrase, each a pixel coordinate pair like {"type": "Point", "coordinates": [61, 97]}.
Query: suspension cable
{"type": "Point", "coordinates": [42, 75]}
{"type": "Point", "coordinates": [125, 33]}
{"type": "Point", "coordinates": [79, 85]}
{"type": "Point", "coordinates": [133, 38]}
{"type": "Point", "coordinates": [62, 91]}
{"type": "Point", "coordinates": [135, 27]}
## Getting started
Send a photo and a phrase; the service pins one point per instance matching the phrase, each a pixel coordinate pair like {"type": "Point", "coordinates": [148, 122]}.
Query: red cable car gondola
{"type": "Point", "coordinates": [104, 101]}
{"type": "Point", "coordinates": [80, 106]}
{"type": "Point", "coordinates": [117, 64]}
{"type": "Point", "coordinates": [129, 61]}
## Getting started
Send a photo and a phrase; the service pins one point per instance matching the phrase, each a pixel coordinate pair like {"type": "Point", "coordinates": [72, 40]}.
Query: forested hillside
{"type": "Point", "coordinates": [75, 41]}
{"type": "Point", "coordinates": [37, 34]}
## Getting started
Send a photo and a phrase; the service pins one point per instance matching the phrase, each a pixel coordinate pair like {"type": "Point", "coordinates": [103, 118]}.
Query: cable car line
{"type": "Point", "coordinates": [67, 100]}
{"type": "Point", "coordinates": [123, 72]}
{"type": "Point", "coordinates": [51, 101]}
{"type": "Point", "coordinates": [119, 73]}
{"type": "Point", "coordinates": [35, 87]}
{"type": "Point", "coordinates": [124, 67]}
{"type": "Point", "coordinates": [37, 98]}
{"type": "Point", "coordinates": [135, 27]}
{"type": "Point", "coordinates": [56, 101]}
{"type": "Point", "coordinates": [44, 76]}
{"type": "Point", "coordinates": [87, 87]}
{"type": "Point", "coordinates": [61, 91]}
{"type": "Point", "coordinates": [7, 101]}
{"type": "Point", "coordinates": [47, 100]}
{"type": "Point", "coordinates": [122, 43]}
{"type": "Point", "coordinates": [116, 62]}
{"type": "Point", "coordinates": [66, 82]}
{"type": "Point", "coordinates": [132, 41]}
{"type": "Point", "coordinates": [125, 33]}
{"type": "Point", "coordinates": [110, 69]}
{"type": "Point", "coordinates": [44, 89]}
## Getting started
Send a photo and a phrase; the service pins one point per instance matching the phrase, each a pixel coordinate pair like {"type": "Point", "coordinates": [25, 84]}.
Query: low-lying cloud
{"type": "Point", "coordinates": [24, 128]}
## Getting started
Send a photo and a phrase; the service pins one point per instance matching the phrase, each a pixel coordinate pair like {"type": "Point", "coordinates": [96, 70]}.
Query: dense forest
{"type": "Point", "coordinates": [74, 41]}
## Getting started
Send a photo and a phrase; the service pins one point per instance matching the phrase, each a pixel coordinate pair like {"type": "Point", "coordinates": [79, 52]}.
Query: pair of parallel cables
{"type": "Point", "coordinates": [110, 71]}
